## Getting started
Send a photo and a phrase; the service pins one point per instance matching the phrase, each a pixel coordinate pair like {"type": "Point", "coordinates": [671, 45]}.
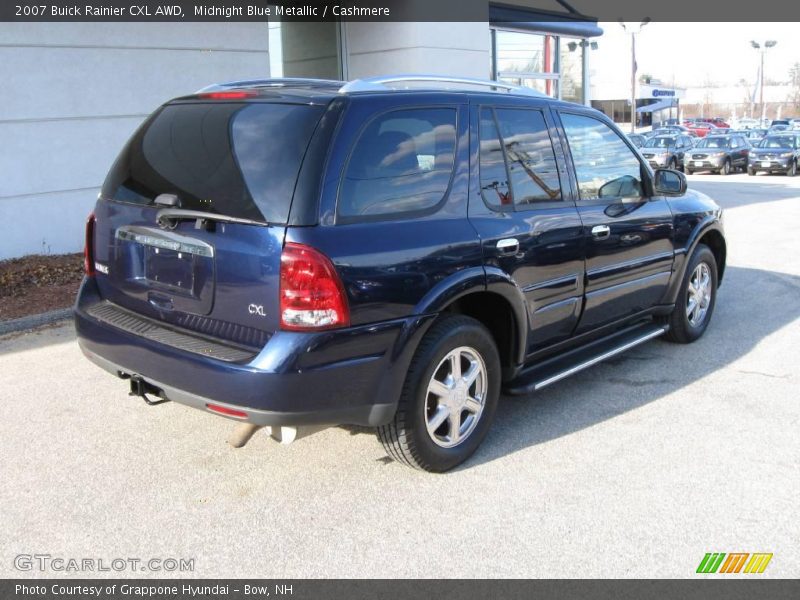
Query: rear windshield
{"type": "Point", "coordinates": [236, 159]}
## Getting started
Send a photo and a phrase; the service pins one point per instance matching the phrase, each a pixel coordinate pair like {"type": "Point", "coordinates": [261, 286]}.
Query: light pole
{"type": "Point", "coordinates": [763, 50]}
{"type": "Point", "coordinates": [633, 33]}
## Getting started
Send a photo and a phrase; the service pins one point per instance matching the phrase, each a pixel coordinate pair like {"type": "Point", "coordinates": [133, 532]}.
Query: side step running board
{"type": "Point", "coordinates": [560, 367]}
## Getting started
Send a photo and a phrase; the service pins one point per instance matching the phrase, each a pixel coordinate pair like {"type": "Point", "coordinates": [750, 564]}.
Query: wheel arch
{"type": "Point", "coordinates": [708, 232]}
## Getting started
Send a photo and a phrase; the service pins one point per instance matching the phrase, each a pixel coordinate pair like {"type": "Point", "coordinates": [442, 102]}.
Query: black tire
{"type": "Point", "coordinates": [726, 167]}
{"type": "Point", "coordinates": [672, 164]}
{"type": "Point", "coordinates": [406, 438]}
{"type": "Point", "coordinates": [688, 171]}
{"type": "Point", "coordinates": [681, 330]}
{"type": "Point", "coordinates": [792, 170]}
{"type": "Point", "coordinates": [751, 172]}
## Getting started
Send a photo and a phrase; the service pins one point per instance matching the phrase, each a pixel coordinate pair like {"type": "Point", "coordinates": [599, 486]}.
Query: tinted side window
{"type": "Point", "coordinates": [604, 165]}
{"type": "Point", "coordinates": [518, 165]}
{"type": "Point", "coordinates": [494, 176]}
{"type": "Point", "coordinates": [530, 156]}
{"type": "Point", "coordinates": [401, 163]}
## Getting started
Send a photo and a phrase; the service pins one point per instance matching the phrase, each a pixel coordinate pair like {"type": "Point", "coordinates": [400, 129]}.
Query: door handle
{"type": "Point", "coordinates": [601, 232]}
{"type": "Point", "coordinates": [508, 245]}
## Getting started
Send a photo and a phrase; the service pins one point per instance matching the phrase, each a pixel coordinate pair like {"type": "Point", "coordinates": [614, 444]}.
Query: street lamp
{"type": "Point", "coordinates": [633, 33]}
{"type": "Point", "coordinates": [763, 51]}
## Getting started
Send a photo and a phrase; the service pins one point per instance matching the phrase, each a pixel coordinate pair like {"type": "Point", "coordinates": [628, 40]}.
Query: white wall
{"type": "Point", "coordinates": [72, 93]}
{"type": "Point", "coordinates": [461, 49]}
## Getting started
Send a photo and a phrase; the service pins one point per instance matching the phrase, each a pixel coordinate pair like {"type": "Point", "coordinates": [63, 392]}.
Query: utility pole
{"type": "Point", "coordinates": [762, 50]}
{"type": "Point", "coordinates": [633, 33]}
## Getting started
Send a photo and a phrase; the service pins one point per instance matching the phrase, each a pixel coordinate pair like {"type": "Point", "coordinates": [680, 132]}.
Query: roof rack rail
{"type": "Point", "coordinates": [373, 84]}
{"type": "Point", "coordinates": [275, 82]}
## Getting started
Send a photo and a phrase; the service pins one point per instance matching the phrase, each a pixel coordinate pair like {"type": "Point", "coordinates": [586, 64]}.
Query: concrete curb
{"type": "Point", "coordinates": [32, 321]}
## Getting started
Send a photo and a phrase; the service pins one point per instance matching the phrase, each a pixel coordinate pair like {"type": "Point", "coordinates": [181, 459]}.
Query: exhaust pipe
{"type": "Point", "coordinates": [242, 433]}
{"type": "Point", "coordinates": [286, 435]}
{"type": "Point", "coordinates": [280, 433]}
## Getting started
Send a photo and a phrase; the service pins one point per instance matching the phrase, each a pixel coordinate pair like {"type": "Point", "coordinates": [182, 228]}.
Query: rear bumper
{"type": "Point", "coordinates": [349, 376]}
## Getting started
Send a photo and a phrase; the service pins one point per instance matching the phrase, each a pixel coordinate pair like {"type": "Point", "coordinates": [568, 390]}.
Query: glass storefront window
{"type": "Point", "coordinates": [544, 62]}
{"type": "Point", "coordinates": [571, 69]}
{"type": "Point", "coordinates": [519, 52]}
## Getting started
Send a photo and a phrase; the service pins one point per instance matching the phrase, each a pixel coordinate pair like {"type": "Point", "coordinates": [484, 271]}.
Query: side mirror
{"type": "Point", "coordinates": [669, 183]}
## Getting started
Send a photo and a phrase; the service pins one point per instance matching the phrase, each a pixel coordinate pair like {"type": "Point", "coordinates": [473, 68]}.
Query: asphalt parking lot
{"type": "Point", "coordinates": [634, 468]}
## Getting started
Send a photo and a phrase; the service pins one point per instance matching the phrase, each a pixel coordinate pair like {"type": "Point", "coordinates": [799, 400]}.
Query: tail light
{"type": "Point", "coordinates": [88, 248]}
{"type": "Point", "coordinates": [232, 95]}
{"type": "Point", "coordinates": [312, 295]}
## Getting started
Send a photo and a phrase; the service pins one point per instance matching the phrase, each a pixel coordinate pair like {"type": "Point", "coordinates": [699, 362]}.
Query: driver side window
{"type": "Point", "coordinates": [604, 164]}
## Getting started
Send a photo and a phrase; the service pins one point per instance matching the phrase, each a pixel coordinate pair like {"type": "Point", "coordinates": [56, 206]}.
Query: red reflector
{"type": "Point", "coordinates": [223, 410]}
{"type": "Point", "coordinates": [312, 295]}
{"type": "Point", "coordinates": [88, 247]}
{"type": "Point", "coordinates": [227, 95]}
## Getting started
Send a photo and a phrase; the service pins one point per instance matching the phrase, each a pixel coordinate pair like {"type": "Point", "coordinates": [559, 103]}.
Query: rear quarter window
{"type": "Point", "coordinates": [236, 159]}
{"type": "Point", "coordinates": [401, 165]}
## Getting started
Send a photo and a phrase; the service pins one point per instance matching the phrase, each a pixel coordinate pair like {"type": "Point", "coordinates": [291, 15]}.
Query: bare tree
{"type": "Point", "coordinates": [794, 76]}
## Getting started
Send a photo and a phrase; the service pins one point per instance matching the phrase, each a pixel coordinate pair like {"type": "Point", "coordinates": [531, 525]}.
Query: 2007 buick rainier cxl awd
{"type": "Point", "coordinates": [302, 253]}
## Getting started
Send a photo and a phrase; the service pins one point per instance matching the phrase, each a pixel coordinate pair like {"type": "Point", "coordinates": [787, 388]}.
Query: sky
{"type": "Point", "coordinates": [693, 53]}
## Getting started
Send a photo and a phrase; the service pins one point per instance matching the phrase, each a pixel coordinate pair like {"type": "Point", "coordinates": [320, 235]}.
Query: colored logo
{"type": "Point", "coordinates": [734, 562]}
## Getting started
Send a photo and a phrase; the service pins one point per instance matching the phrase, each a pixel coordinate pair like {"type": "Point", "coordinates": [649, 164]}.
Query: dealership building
{"type": "Point", "coordinates": [654, 103]}
{"type": "Point", "coordinates": [74, 92]}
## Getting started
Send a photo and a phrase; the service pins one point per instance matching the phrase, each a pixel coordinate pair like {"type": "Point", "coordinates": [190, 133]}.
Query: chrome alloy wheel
{"type": "Point", "coordinates": [698, 295]}
{"type": "Point", "coordinates": [456, 396]}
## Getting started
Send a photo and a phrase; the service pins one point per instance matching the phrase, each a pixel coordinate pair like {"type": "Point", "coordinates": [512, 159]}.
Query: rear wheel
{"type": "Point", "coordinates": [449, 397]}
{"type": "Point", "coordinates": [692, 313]}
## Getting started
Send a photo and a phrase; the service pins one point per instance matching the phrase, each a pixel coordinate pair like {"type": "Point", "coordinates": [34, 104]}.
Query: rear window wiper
{"type": "Point", "coordinates": [169, 217]}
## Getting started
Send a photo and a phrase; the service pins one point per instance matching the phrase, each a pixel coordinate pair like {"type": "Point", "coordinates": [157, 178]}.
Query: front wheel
{"type": "Point", "coordinates": [688, 171]}
{"type": "Point", "coordinates": [673, 164]}
{"type": "Point", "coordinates": [448, 399]}
{"type": "Point", "coordinates": [726, 168]}
{"type": "Point", "coordinates": [751, 172]}
{"type": "Point", "coordinates": [792, 170]}
{"type": "Point", "coordinates": [696, 299]}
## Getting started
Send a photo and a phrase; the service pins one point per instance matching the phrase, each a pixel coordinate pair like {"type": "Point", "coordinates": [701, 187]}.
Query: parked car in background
{"type": "Point", "coordinates": [637, 139]}
{"type": "Point", "coordinates": [776, 153]}
{"type": "Point", "coordinates": [701, 128]}
{"type": "Point", "coordinates": [756, 134]}
{"type": "Point", "coordinates": [747, 123]}
{"type": "Point", "coordinates": [719, 154]}
{"type": "Point", "coordinates": [254, 292]}
{"type": "Point", "coordinates": [672, 130]}
{"type": "Point", "coordinates": [666, 150]}
{"type": "Point", "coordinates": [779, 127]}
{"type": "Point", "coordinates": [795, 124]}
{"type": "Point", "coordinates": [716, 122]}
{"type": "Point", "coordinates": [776, 122]}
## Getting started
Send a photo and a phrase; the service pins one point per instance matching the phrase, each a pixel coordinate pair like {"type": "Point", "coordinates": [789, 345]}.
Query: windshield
{"type": "Point", "coordinates": [232, 158]}
{"type": "Point", "coordinates": [778, 142]}
{"type": "Point", "coordinates": [660, 142]}
{"type": "Point", "coordinates": [715, 142]}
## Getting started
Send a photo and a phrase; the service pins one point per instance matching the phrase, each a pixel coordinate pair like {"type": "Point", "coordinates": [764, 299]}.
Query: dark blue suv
{"type": "Point", "coordinates": [294, 254]}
